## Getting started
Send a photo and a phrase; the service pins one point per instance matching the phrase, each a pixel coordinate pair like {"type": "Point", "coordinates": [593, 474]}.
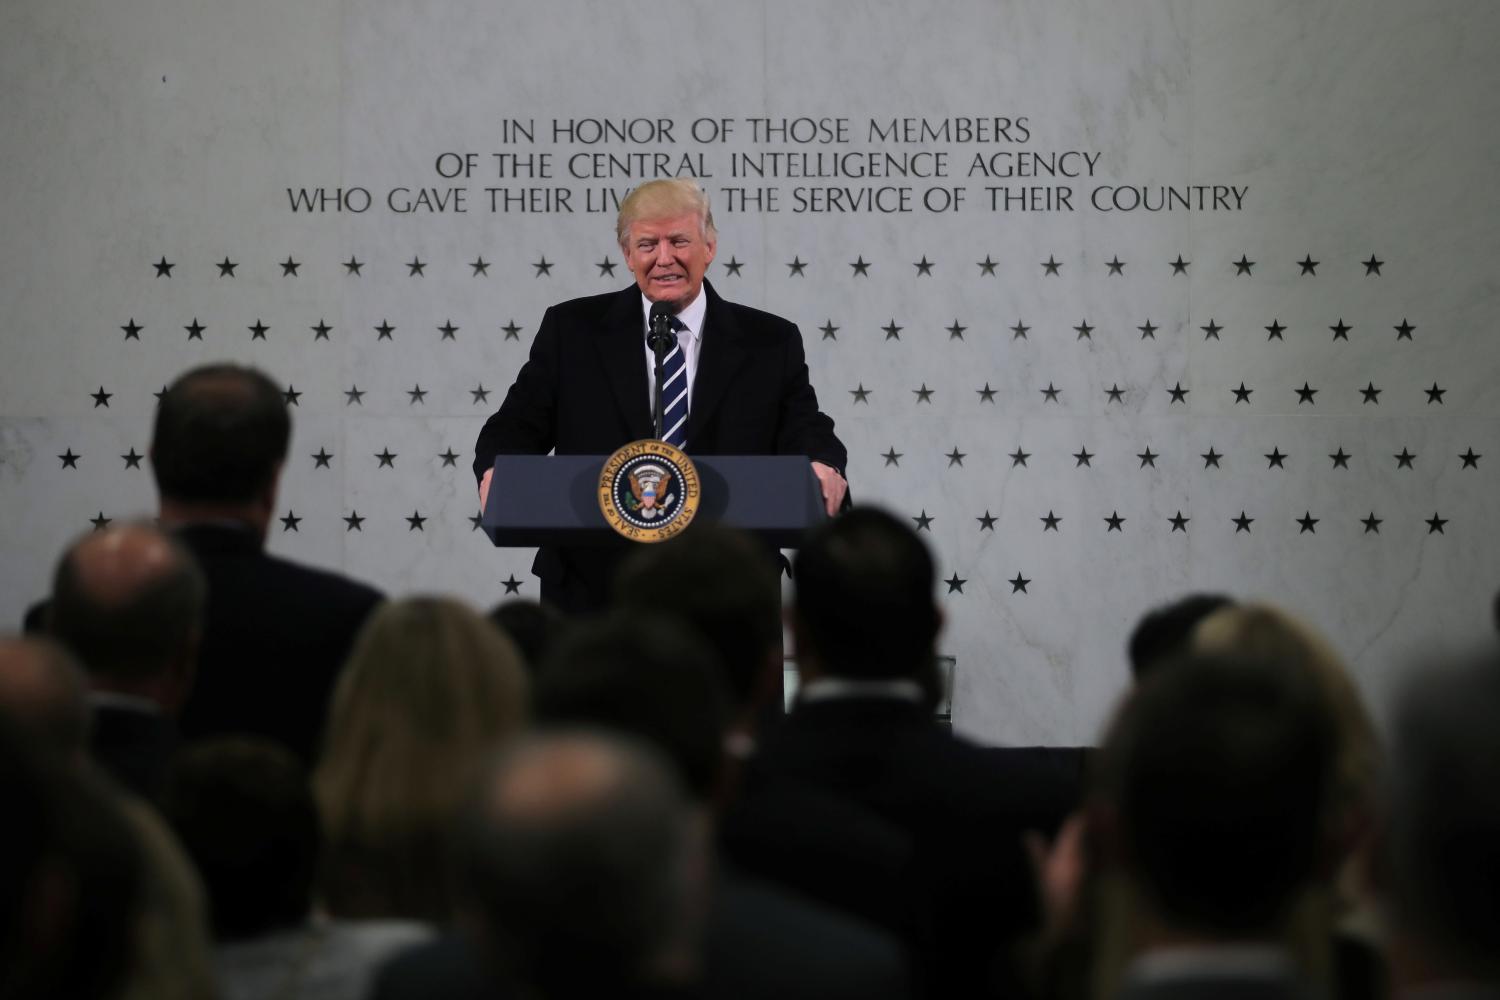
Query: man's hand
{"type": "Point", "coordinates": [484, 488]}
{"type": "Point", "coordinates": [833, 485]}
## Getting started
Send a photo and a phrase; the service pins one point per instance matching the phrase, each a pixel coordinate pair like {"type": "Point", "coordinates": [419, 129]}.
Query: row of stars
{"type": "Point", "coordinates": [1307, 394]}
{"type": "Point", "coordinates": [1114, 521]}
{"type": "Point", "coordinates": [321, 330]}
{"type": "Point", "coordinates": [1275, 458]}
{"type": "Point", "coordinates": [1276, 330]}
{"type": "Point", "coordinates": [796, 267]}
{"type": "Point", "coordinates": [1083, 458]}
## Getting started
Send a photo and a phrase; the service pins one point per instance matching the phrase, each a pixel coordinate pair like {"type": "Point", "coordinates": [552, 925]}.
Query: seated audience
{"type": "Point", "coordinates": [1441, 843]}
{"type": "Point", "coordinates": [1215, 779]}
{"type": "Point", "coordinates": [430, 687]}
{"type": "Point", "coordinates": [44, 693]}
{"type": "Point", "coordinates": [128, 601]}
{"type": "Point", "coordinates": [275, 632]}
{"type": "Point", "coordinates": [1166, 632]}
{"type": "Point", "coordinates": [244, 812]}
{"type": "Point", "coordinates": [534, 627]}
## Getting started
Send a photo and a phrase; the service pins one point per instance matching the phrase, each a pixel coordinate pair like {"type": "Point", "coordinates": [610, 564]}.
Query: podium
{"type": "Point", "coordinates": [554, 499]}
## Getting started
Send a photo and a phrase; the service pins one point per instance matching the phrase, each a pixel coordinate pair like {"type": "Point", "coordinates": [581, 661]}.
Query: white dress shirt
{"type": "Point", "coordinates": [690, 340]}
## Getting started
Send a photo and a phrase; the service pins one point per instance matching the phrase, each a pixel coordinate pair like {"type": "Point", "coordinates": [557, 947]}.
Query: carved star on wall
{"type": "Point", "coordinates": [289, 267]}
{"type": "Point", "coordinates": [1116, 265]}
{"type": "Point", "coordinates": [1179, 266]}
{"type": "Point", "coordinates": [830, 332]}
{"type": "Point", "coordinates": [99, 521]}
{"type": "Point", "coordinates": [101, 398]}
{"type": "Point", "coordinates": [1115, 394]}
{"type": "Point", "coordinates": [733, 267]}
{"type": "Point", "coordinates": [1275, 331]}
{"type": "Point", "coordinates": [861, 394]}
{"type": "Point", "coordinates": [1308, 523]}
{"type": "Point", "coordinates": [606, 268]}
{"type": "Point", "coordinates": [448, 330]}
{"type": "Point", "coordinates": [987, 266]}
{"type": "Point", "coordinates": [1404, 460]}
{"type": "Point", "coordinates": [1275, 459]}
{"type": "Point", "coordinates": [986, 521]}
{"type": "Point", "coordinates": [1018, 584]}
{"type": "Point", "coordinates": [163, 269]}
{"type": "Point", "coordinates": [796, 267]}
{"type": "Point", "coordinates": [417, 394]}
{"type": "Point", "coordinates": [511, 584]}
{"type": "Point", "coordinates": [1082, 458]}
{"type": "Point", "coordinates": [1308, 265]}
{"type": "Point", "coordinates": [1148, 457]}
{"type": "Point", "coordinates": [320, 332]}
{"type": "Point", "coordinates": [1435, 524]}
{"type": "Point", "coordinates": [1341, 329]}
{"type": "Point", "coordinates": [543, 267]}
{"type": "Point", "coordinates": [384, 330]}
{"type": "Point", "coordinates": [955, 584]}
{"type": "Point", "coordinates": [1242, 523]}
{"type": "Point", "coordinates": [1211, 458]}
{"type": "Point", "coordinates": [258, 330]}
{"type": "Point", "coordinates": [1050, 394]}
{"type": "Point", "coordinates": [449, 457]}
{"type": "Point", "coordinates": [1373, 265]}
{"type": "Point", "coordinates": [132, 329]}
{"type": "Point", "coordinates": [892, 457]}
{"type": "Point", "coordinates": [354, 394]}
{"type": "Point", "coordinates": [1051, 266]}
{"type": "Point", "coordinates": [1242, 394]}
{"type": "Point", "coordinates": [1371, 523]}
{"type": "Point", "coordinates": [416, 267]}
{"type": "Point", "coordinates": [480, 266]}
{"type": "Point", "coordinates": [956, 457]}
{"type": "Point", "coordinates": [1148, 329]}
{"type": "Point", "coordinates": [1114, 520]}
{"type": "Point", "coordinates": [69, 460]}
{"type": "Point", "coordinates": [480, 394]}
{"type": "Point", "coordinates": [1371, 394]}
{"type": "Point", "coordinates": [923, 266]}
{"type": "Point", "coordinates": [1050, 522]}
{"type": "Point", "coordinates": [1340, 458]}
{"type": "Point", "coordinates": [321, 458]}
{"type": "Point", "coordinates": [956, 331]}
{"type": "Point", "coordinates": [861, 267]}
{"type": "Point", "coordinates": [1403, 329]}
{"type": "Point", "coordinates": [892, 331]}
{"type": "Point", "coordinates": [1243, 265]}
{"type": "Point", "coordinates": [353, 265]}
{"type": "Point", "coordinates": [226, 267]}
{"type": "Point", "coordinates": [1306, 394]}
{"type": "Point", "coordinates": [986, 395]}
{"type": "Point", "coordinates": [1471, 460]}
{"type": "Point", "coordinates": [1179, 523]}
{"type": "Point", "coordinates": [1018, 332]}
{"type": "Point", "coordinates": [416, 522]}
{"type": "Point", "coordinates": [923, 522]}
{"type": "Point", "coordinates": [353, 522]}
{"type": "Point", "coordinates": [1084, 330]}
{"type": "Point", "coordinates": [1434, 395]}
{"type": "Point", "coordinates": [290, 520]}
{"type": "Point", "coordinates": [924, 394]}
{"type": "Point", "coordinates": [511, 331]}
{"type": "Point", "coordinates": [291, 395]}
{"type": "Point", "coordinates": [1211, 331]}
{"type": "Point", "coordinates": [475, 520]}
{"type": "Point", "coordinates": [132, 459]}
{"type": "Point", "coordinates": [1178, 394]}
{"type": "Point", "coordinates": [387, 458]}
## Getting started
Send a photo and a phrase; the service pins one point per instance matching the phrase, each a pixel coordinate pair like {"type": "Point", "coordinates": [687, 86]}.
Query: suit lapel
{"type": "Point", "coordinates": [620, 341]}
{"type": "Point", "coordinates": [719, 359]}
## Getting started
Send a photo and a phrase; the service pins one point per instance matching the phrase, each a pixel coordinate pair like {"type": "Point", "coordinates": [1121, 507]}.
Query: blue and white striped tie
{"type": "Point", "coordinates": [674, 392]}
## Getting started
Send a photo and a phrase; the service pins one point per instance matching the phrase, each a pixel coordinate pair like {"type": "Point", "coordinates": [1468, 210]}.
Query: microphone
{"type": "Point", "coordinates": [659, 339]}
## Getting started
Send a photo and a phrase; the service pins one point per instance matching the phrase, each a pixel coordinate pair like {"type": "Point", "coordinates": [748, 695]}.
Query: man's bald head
{"type": "Point", "coordinates": [582, 843]}
{"type": "Point", "coordinates": [128, 601]}
{"type": "Point", "coordinates": [43, 692]}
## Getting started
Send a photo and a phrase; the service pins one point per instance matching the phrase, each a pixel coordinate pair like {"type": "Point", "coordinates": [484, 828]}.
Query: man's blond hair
{"type": "Point", "coordinates": [665, 199]}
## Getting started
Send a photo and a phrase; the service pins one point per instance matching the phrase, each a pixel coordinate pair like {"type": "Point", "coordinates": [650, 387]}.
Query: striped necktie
{"type": "Point", "coordinates": [674, 392]}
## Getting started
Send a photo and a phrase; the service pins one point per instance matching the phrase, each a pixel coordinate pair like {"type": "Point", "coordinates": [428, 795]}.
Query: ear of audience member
{"type": "Point", "coordinates": [1166, 632]}
{"type": "Point", "coordinates": [1217, 772]}
{"type": "Point", "coordinates": [723, 583]}
{"type": "Point", "coordinates": [70, 877]}
{"type": "Point", "coordinates": [1441, 843]}
{"type": "Point", "coordinates": [245, 813]}
{"type": "Point", "coordinates": [534, 628]}
{"type": "Point", "coordinates": [429, 688]}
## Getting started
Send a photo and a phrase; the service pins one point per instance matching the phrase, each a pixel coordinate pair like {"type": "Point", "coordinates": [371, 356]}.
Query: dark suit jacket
{"type": "Point", "coordinates": [134, 746]}
{"type": "Point", "coordinates": [969, 877]}
{"type": "Point", "coordinates": [583, 391]}
{"type": "Point", "coordinates": [275, 635]}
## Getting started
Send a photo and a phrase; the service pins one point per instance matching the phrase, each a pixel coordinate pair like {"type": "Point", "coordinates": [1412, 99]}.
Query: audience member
{"type": "Point", "coordinates": [244, 811]}
{"type": "Point", "coordinates": [275, 632]}
{"type": "Point", "coordinates": [865, 622]}
{"type": "Point", "coordinates": [430, 687]}
{"type": "Point", "coordinates": [43, 691]}
{"type": "Point", "coordinates": [1441, 844]}
{"type": "Point", "coordinates": [128, 601]}
{"type": "Point", "coordinates": [534, 628]}
{"type": "Point", "coordinates": [1215, 780]}
{"type": "Point", "coordinates": [1166, 632]}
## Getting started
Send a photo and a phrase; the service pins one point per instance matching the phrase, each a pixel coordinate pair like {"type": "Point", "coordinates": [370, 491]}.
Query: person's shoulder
{"type": "Point", "coordinates": [592, 306]}
{"type": "Point", "coordinates": [325, 582]}
{"type": "Point", "coordinates": [757, 320]}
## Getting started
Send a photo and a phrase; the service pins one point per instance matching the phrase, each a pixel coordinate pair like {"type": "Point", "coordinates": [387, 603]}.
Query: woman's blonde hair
{"type": "Point", "coordinates": [429, 688]}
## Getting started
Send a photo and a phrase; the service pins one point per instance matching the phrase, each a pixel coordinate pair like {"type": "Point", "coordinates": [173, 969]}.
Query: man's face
{"type": "Point", "coordinates": [668, 258]}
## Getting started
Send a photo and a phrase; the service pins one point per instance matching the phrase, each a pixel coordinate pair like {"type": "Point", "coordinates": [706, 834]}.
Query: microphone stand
{"type": "Point", "coordinates": [659, 340]}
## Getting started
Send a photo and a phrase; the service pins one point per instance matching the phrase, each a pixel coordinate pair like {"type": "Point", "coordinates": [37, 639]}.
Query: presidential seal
{"type": "Point", "coordinates": [648, 491]}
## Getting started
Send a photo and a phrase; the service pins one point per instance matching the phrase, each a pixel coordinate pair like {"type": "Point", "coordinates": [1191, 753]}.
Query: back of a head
{"type": "Point", "coordinates": [42, 691]}
{"type": "Point", "coordinates": [584, 863]}
{"type": "Point", "coordinates": [722, 583]}
{"type": "Point", "coordinates": [1166, 632]}
{"type": "Point", "coordinates": [864, 601]}
{"type": "Point", "coordinates": [648, 677]}
{"type": "Point", "coordinates": [532, 626]}
{"type": "Point", "coordinates": [221, 433]}
{"type": "Point", "coordinates": [128, 602]}
{"type": "Point", "coordinates": [1442, 841]}
{"type": "Point", "coordinates": [243, 810]}
{"type": "Point", "coordinates": [1220, 767]}
{"type": "Point", "coordinates": [428, 689]}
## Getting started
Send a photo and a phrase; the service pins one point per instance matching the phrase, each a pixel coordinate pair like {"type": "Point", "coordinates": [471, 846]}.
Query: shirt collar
{"type": "Point", "coordinates": [692, 315]}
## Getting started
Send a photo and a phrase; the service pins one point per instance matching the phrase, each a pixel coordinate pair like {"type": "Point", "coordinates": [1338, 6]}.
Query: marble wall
{"type": "Point", "coordinates": [1111, 218]}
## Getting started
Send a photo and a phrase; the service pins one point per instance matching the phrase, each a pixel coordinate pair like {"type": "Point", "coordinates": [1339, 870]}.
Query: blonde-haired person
{"type": "Point", "coordinates": [429, 689]}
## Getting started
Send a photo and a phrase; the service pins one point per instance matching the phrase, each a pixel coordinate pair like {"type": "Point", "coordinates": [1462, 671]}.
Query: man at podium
{"type": "Point", "coordinates": [734, 383]}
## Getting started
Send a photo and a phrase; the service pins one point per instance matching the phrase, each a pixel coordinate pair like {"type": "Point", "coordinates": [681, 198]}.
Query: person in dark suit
{"type": "Point", "coordinates": [587, 387]}
{"type": "Point", "coordinates": [275, 632]}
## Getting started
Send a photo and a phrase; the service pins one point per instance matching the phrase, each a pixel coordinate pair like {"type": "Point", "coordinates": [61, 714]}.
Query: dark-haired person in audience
{"type": "Point", "coordinates": [275, 632]}
{"type": "Point", "coordinates": [429, 689]}
{"type": "Point", "coordinates": [1441, 837]}
{"type": "Point", "coordinates": [1214, 782]}
{"type": "Point", "coordinates": [44, 692]}
{"type": "Point", "coordinates": [1167, 631]}
{"type": "Point", "coordinates": [128, 601]}
{"type": "Point", "coordinates": [865, 622]}
{"type": "Point", "coordinates": [532, 626]}
{"type": "Point", "coordinates": [244, 812]}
